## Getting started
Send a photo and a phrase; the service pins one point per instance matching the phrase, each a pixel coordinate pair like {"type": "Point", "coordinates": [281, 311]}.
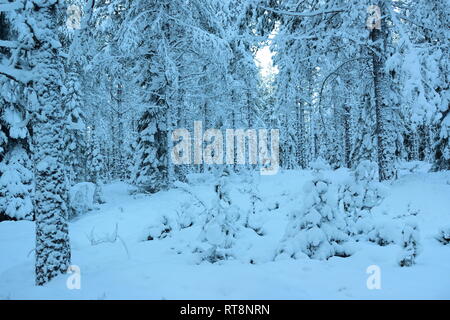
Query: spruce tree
{"type": "Point", "coordinates": [52, 234]}
{"type": "Point", "coordinates": [316, 229]}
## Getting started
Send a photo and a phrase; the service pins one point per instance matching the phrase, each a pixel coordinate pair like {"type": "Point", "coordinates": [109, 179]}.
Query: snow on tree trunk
{"type": "Point", "coordinates": [151, 171]}
{"type": "Point", "coordinates": [384, 115]}
{"type": "Point", "coordinates": [52, 235]}
{"type": "Point", "coordinates": [442, 145]}
{"type": "Point", "coordinates": [75, 145]}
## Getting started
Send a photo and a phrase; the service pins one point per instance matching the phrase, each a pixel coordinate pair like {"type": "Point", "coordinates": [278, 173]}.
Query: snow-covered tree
{"type": "Point", "coordinates": [359, 196]}
{"type": "Point", "coordinates": [410, 244]}
{"type": "Point", "coordinates": [95, 165]}
{"type": "Point", "coordinates": [44, 95]}
{"type": "Point", "coordinates": [16, 185]}
{"type": "Point", "coordinates": [75, 150]}
{"type": "Point", "coordinates": [221, 225]}
{"type": "Point", "coordinates": [317, 229]}
{"type": "Point", "coordinates": [16, 172]}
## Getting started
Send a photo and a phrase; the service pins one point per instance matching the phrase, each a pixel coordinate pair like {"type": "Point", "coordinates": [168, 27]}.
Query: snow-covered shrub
{"type": "Point", "coordinates": [382, 233]}
{"type": "Point", "coordinates": [251, 217]}
{"type": "Point", "coordinates": [444, 235]}
{"type": "Point", "coordinates": [81, 198]}
{"type": "Point", "coordinates": [222, 222]}
{"type": "Point", "coordinates": [410, 244]}
{"type": "Point", "coordinates": [359, 196]}
{"type": "Point", "coordinates": [160, 230]}
{"type": "Point", "coordinates": [16, 185]}
{"type": "Point", "coordinates": [316, 230]}
{"type": "Point", "coordinates": [185, 218]}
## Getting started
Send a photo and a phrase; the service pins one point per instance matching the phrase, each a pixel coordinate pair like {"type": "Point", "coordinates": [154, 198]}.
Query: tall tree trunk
{"type": "Point", "coordinates": [384, 115]}
{"type": "Point", "coordinates": [52, 235]}
{"type": "Point", "coordinates": [347, 144]}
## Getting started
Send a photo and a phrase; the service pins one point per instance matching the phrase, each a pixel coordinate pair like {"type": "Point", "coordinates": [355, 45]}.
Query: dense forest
{"type": "Point", "coordinates": [93, 91]}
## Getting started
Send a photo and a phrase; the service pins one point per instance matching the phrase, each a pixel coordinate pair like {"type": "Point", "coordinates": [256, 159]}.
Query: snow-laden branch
{"type": "Point", "coordinates": [334, 72]}
{"type": "Point", "coordinates": [17, 75]}
{"type": "Point", "coordinates": [8, 44]}
{"type": "Point", "coordinates": [304, 14]}
{"type": "Point", "coordinates": [11, 6]}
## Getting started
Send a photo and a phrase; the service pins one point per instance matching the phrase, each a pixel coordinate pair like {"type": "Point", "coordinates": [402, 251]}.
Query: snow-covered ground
{"type": "Point", "coordinates": [127, 265]}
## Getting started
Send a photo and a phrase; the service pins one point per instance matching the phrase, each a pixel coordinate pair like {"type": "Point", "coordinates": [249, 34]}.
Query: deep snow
{"type": "Point", "coordinates": [129, 266]}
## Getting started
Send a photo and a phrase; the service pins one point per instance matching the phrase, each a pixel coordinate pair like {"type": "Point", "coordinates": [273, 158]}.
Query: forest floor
{"type": "Point", "coordinates": [117, 260]}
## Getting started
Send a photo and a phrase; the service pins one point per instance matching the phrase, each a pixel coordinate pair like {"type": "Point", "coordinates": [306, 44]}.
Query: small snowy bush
{"type": "Point", "coordinates": [252, 217]}
{"type": "Point", "coordinates": [185, 217]}
{"type": "Point", "coordinates": [410, 244]}
{"type": "Point", "coordinates": [222, 222]}
{"type": "Point", "coordinates": [358, 197]}
{"type": "Point", "coordinates": [160, 230]}
{"type": "Point", "coordinates": [81, 198]}
{"type": "Point", "coordinates": [16, 185]}
{"type": "Point", "coordinates": [316, 230]}
{"type": "Point", "coordinates": [444, 235]}
{"type": "Point", "coordinates": [382, 233]}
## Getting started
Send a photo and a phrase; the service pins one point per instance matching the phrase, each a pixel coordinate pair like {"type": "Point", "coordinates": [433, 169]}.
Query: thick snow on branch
{"type": "Point", "coordinates": [18, 75]}
{"type": "Point", "coordinates": [10, 6]}
{"type": "Point", "coordinates": [8, 44]}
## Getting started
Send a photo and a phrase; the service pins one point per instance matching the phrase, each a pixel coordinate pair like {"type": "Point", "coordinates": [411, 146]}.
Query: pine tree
{"type": "Point", "coordinates": [52, 237]}
{"type": "Point", "coordinates": [16, 185]}
{"type": "Point", "coordinates": [410, 244]}
{"type": "Point", "coordinates": [442, 144]}
{"type": "Point", "coordinates": [75, 154]}
{"type": "Point", "coordinates": [385, 125]}
{"type": "Point", "coordinates": [316, 230]}
{"type": "Point", "coordinates": [169, 77]}
{"type": "Point", "coordinates": [221, 224]}
{"type": "Point", "coordinates": [95, 166]}
{"type": "Point", "coordinates": [358, 197]}
{"type": "Point", "coordinates": [16, 176]}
